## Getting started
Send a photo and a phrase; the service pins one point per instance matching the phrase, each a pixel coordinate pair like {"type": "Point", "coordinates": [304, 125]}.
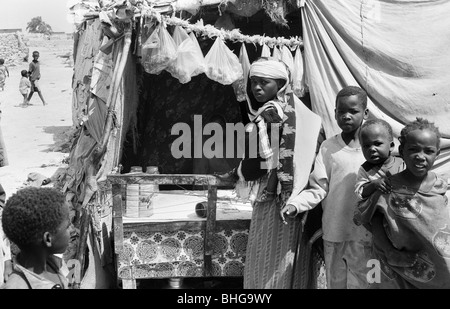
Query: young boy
{"type": "Point", "coordinates": [37, 221]}
{"type": "Point", "coordinates": [415, 214]}
{"type": "Point", "coordinates": [377, 142]}
{"type": "Point", "coordinates": [347, 247]}
{"type": "Point", "coordinates": [34, 72]}
{"type": "Point", "coordinates": [24, 87]}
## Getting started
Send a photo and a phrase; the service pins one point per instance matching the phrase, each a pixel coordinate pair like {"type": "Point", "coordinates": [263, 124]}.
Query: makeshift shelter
{"type": "Point", "coordinates": [125, 114]}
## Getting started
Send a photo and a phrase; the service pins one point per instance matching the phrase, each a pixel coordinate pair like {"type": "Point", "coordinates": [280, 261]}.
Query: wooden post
{"type": "Point", "coordinates": [117, 218]}
{"type": "Point", "coordinates": [210, 228]}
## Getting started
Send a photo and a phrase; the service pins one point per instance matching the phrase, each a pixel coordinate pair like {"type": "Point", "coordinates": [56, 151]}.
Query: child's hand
{"type": "Point", "coordinates": [288, 210]}
{"type": "Point", "coordinates": [383, 185]}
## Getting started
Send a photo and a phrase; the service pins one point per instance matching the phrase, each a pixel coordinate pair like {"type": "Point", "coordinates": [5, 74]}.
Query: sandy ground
{"type": "Point", "coordinates": [34, 135]}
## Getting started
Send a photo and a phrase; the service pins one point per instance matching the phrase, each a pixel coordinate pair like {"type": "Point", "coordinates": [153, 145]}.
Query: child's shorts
{"type": "Point", "coordinates": [35, 85]}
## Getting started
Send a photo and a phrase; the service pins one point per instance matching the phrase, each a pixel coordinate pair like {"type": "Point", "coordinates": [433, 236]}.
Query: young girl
{"type": "Point", "coordinates": [415, 213]}
{"type": "Point", "coordinates": [272, 107]}
{"type": "Point", "coordinates": [37, 221]}
{"type": "Point", "coordinates": [3, 74]}
{"type": "Point", "coordinates": [24, 87]}
{"type": "Point", "coordinates": [272, 123]}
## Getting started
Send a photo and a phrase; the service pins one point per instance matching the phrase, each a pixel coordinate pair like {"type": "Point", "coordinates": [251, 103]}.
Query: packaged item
{"type": "Point", "coordinates": [188, 60]}
{"type": "Point", "coordinates": [222, 65]}
{"type": "Point", "coordinates": [158, 51]}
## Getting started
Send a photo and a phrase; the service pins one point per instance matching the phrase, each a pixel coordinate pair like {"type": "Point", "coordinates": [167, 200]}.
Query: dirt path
{"type": "Point", "coordinates": [32, 135]}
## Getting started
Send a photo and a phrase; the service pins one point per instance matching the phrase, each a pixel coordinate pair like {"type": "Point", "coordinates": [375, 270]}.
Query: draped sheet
{"type": "Point", "coordinates": [398, 51]}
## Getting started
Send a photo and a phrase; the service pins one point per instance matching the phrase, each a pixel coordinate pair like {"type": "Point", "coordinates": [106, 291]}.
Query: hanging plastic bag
{"type": "Point", "coordinates": [286, 57]}
{"type": "Point", "coordinates": [265, 52]}
{"type": "Point", "coordinates": [158, 51]}
{"type": "Point", "coordinates": [222, 65]}
{"type": "Point", "coordinates": [276, 53]}
{"type": "Point", "coordinates": [201, 65]}
{"type": "Point", "coordinates": [298, 76]}
{"type": "Point", "coordinates": [188, 59]}
{"type": "Point", "coordinates": [240, 86]}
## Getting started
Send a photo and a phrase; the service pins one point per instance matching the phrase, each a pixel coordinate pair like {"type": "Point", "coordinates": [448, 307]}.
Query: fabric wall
{"type": "Point", "coordinates": [397, 50]}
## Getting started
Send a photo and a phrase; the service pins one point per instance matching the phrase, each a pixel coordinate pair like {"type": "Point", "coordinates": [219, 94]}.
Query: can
{"type": "Point", "coordinates": [201, 209]}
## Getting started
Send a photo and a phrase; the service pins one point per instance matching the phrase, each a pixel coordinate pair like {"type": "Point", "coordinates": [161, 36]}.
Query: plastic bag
{"type": "Point", "coordinates": [222, 65]}
{"type": "Point", "coordinates": [158, 50]}
{"type": "Point", "coordinates": [187, 60]}
{"type": "Point", "coordinates": [298, 77]}
{"type": "Point", "coordinates": [240, 86]}
{"type": "Point", "coordinates": [201, 65]}
{"type": "Point", "coordinates": [276, 53]}
{"type": "Point", "coordinates": [265, 52]}
{"type": "Point", "coordinates": [286, 57]}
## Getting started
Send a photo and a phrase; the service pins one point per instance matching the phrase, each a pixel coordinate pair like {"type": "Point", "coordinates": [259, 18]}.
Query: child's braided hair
{"type": "Point", "coordinates": [419, 124]}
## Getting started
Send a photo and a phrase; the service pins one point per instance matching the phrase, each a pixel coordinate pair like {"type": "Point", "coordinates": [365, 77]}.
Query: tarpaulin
{"type": "Point", "coordinates": [398, 51]}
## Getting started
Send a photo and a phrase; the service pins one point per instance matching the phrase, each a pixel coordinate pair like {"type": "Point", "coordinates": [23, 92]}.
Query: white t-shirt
{"type": "Point", "coordinates": [332, 182]}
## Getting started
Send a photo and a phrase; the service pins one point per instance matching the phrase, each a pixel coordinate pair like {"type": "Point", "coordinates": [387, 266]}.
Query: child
{"type": "Point", "coordinates": [377, 142]}
{"type": "Point", "coordinates": [267, 112]}
{"type": "Point", "coordinates": [37, 221]}
{"type": "Point", "coordinates": [34, 72]}
{"type": "Point", "coordinates": [347, 247]}
{"type": "Point", "coordinates": [5, 248]}
{"type": "Point", "coordinates": [24, 86]}
{"type": "Point", "coordinates": [415, 214]}
{"type": "Point", "coordinates": [271, 246]}
{"type": "Point", "coordinates": [3, 74]}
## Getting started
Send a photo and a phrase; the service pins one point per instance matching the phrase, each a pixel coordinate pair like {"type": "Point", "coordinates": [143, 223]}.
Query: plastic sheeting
{"type": "Point", "coordinates": [398, 51]}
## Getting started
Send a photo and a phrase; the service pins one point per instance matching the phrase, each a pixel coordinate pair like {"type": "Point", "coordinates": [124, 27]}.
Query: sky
{"type": "Point", "coordinates": [17, 13]}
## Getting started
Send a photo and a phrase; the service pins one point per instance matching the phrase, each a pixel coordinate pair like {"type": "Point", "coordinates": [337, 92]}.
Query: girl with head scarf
{"type": "Point", "coordinates": [281, 124]}
{"type": "Point", "coordinates": [273, 114]}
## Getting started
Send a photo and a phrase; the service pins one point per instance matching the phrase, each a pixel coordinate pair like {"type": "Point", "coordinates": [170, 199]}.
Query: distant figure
{"type": "Point", "coordinates": [35, 74]}
{"type": "Point", "coordinates": [4, 73]}
{"type": "Point", "coordinates": [24, 87]}
{"type": "Point", "coordinates": [3, 155]}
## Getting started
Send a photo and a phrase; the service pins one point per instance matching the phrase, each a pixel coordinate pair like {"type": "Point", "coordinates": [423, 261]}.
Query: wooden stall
{"type": "Point", "coordinates": [175, 242]}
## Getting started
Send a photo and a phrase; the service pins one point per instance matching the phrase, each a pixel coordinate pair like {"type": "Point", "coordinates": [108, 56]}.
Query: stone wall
{"type": "Point", "coordinates": [13, 48]}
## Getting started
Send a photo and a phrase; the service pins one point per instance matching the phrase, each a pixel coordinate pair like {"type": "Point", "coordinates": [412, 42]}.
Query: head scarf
{"type": "Point", "coordinates": [267, 68]}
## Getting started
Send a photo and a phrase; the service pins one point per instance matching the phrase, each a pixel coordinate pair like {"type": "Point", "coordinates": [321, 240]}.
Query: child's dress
{"type": "Point", "coordinates": [415, 222]}
{"type": "Point", "coordinates": [24, 85]}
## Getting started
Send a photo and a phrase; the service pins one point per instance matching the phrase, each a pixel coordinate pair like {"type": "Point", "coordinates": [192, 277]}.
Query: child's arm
{"type": "Point", "coordinates": [30, 69]}
{"type": "Point", "coordinates": [381, 184]}
{"type": "Point", "coordinates": [310, 197]}
{"type": "Point", "coordinates": [366, 186]}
